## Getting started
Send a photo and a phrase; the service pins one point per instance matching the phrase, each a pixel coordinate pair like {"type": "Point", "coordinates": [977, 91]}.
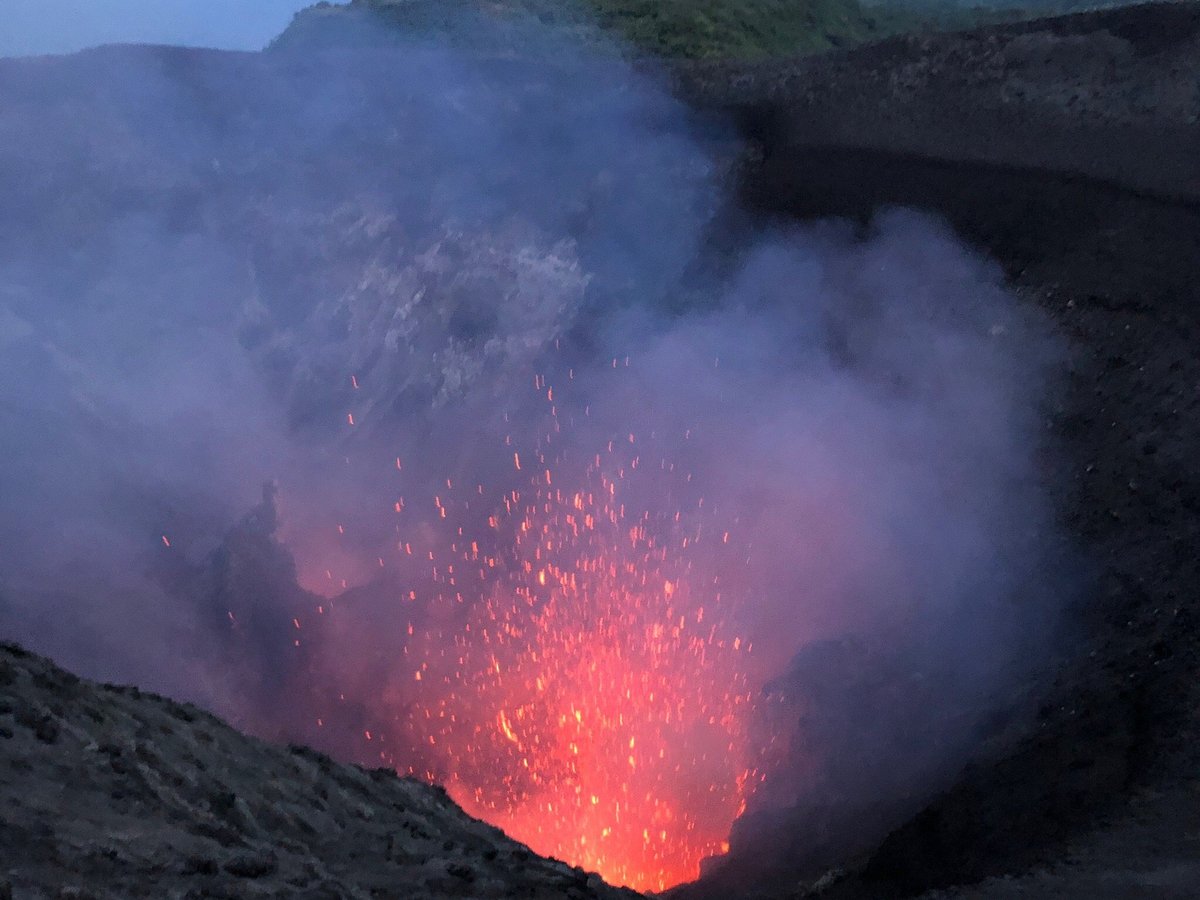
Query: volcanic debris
{"type": "Point", "coordinates": [111, 792]}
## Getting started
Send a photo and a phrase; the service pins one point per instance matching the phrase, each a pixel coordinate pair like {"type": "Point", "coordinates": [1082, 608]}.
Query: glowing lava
{"type": "Point", "coordinates": [570, 672]}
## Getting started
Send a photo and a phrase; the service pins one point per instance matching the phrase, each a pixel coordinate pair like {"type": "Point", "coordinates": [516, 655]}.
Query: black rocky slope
{"type": "Point", "coordinates": [1111, 94]}
{"type": "Point", "coordinates": [108, 792]}
{"type": "Point", "coordinates": [1068, 150]}
{"type": "Point", "coordinates": [1112, 749]}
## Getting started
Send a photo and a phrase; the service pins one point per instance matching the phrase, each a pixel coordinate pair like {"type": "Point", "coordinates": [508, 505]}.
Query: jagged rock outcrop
{"type": "Point", "coordinates": [109, 792]}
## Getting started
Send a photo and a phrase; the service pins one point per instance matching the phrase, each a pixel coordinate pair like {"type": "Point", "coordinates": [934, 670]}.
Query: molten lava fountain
{"type": "Point", "coordinates": [571, 673]}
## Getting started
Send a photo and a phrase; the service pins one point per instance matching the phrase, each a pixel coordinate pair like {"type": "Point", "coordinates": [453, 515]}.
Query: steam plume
{"type": "Point", "coordinates": [362, 277]}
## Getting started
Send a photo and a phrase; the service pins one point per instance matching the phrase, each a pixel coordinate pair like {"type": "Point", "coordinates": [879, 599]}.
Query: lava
{"type": "Point", "coordinates": [570, 670]}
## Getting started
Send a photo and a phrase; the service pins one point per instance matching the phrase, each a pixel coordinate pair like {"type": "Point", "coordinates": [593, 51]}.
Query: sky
{"type": "Point", "coordinates": [33, 27]}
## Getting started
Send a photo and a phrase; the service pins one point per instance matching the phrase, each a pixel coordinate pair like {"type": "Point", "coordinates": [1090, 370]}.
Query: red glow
{"type": "Point", "coordinates": [574, 676]}
{"type": "Point", "coordinates": [606, 720]}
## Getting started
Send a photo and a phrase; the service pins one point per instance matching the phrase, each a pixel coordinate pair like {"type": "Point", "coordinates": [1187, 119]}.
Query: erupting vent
{"type": "Point", "coordinates": [573, 675]}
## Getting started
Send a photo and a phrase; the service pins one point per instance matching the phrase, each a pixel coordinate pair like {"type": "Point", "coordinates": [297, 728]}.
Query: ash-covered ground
{"type": "Point", "coordinates": [1062, 150]}
{"type": "Point", "coordinates": [110, 792]}
{"type": "Point", "coordinates": [1067, 149]}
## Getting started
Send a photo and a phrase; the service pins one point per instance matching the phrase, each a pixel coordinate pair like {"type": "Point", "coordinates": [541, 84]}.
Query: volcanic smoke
{"type": "Point", "coordinates": [567, 502]}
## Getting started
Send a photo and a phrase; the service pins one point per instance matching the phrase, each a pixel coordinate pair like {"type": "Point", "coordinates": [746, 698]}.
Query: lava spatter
{"type": "Point", "coordinates": [576, 677]}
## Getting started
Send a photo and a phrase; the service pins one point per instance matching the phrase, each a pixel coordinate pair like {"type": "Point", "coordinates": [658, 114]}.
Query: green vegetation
{"type": "Point", "coordinates": [690, 29]}
{"type": "Point", "coordinates": [743, 28]}
{"type": "Point", "coordinates": [687, 29]}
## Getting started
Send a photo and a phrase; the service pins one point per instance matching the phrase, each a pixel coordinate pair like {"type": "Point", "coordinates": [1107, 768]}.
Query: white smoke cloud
{"type": "Point", "coordinates": [216, 273]}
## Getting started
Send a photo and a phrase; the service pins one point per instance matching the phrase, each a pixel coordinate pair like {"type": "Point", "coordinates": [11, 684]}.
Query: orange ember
{"type": "Point", "coordinates": [616, 714]}
{"type": "Point", "coordinates": [573, 676]}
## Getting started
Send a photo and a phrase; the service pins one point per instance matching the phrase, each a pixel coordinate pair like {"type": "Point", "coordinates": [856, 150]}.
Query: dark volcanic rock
{"type": "Point", "coordinates": [1111, 94]}
{"type": "Point", "coordinates": [112, 793]}
{"type": "Point", "coordinates": [1069, 150]}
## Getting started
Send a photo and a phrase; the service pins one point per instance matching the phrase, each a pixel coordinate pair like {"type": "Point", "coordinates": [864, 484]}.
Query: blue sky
{"type": "Point", "coordinates": [61, 26]}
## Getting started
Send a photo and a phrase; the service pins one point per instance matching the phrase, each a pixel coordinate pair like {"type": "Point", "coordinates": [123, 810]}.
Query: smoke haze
{"type": "Point", "coordinates": [378, 282]}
